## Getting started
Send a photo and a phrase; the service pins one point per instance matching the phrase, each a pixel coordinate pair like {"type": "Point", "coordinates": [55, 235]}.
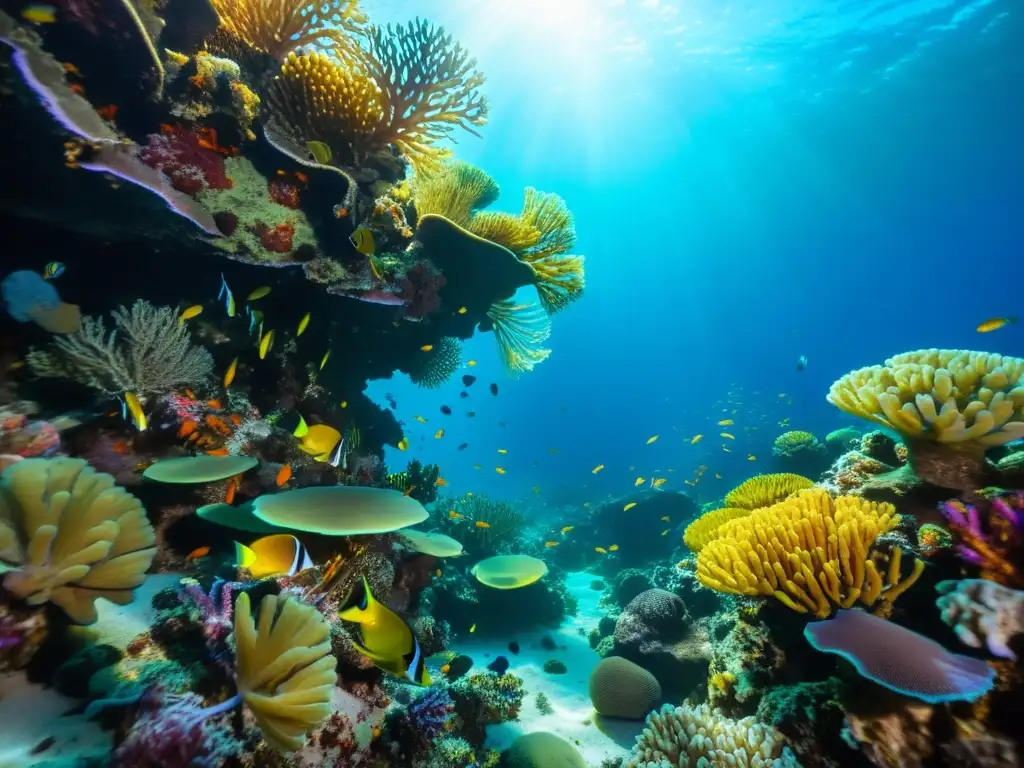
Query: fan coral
{"type": "Point", "coordinates": [419, 290]}
{"type": "Point", "coordinates": [68, 536]}
{"type": "Point", "coordinates": [983, 612]}
{"type": "Point", "coordinates": [455, 191]}
{"type": "Point", "coordinates": [793, 442]}
{"type": "Point", "coordinates": [187, 158]}
{"type": "Point", "coordinates": [504, 522]}
{"type": "Point", "coordinates": [148, 351]}
{"type": "Point", "coordinates": [277, 27]}
{"type": "Point", "coordinates": [705, 528]}
{"type": "Point", "coordinates": [520, 331]}
{"type": "Point", "coordinates": [765, 490]}
{"type": "Point", "coordinates": [996, 546]}
{"type": "Point", "coordinates": [704, 736]}
{"type": "Point", "coordinates": [432, 369]}
{"type": "Point", "coordinates": [811, 552]}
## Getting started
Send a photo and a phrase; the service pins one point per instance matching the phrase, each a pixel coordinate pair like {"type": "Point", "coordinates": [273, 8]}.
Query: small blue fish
{"type": "Point", "coordinates": [53, 270]}
{"type": "Point", "coordinates": [228, 296]}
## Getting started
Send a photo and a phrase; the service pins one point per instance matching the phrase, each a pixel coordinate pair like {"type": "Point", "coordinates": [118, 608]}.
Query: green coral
{"type": "Point", "coordinates": [434, 367]}
{"type": "Point", "coordinates": [500, 697]}
{"type": "Point", "coordinates": [503, 520]}
{"type": "Point", "coordinates": [796, 441]}
{"type": "Point", "coordinates": [451, 752]}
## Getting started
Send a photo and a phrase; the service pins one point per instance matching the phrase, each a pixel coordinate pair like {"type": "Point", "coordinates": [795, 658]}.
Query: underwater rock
{"type": "Point", "coordinates": [638, 534]}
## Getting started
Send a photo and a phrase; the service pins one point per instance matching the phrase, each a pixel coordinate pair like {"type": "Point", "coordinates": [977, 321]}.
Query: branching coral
{"type": "Point", "coordinates": [765, 490]}
{"type": "Point", "coordinates": [147, 351]}
{"type": "Point", "coordinates": [811, 552]}
{"type": "Point", "coordinates": [520, 331]}
{"type": "Point", "coordinates": [277, 27]}
{"type": "Point", "coordinates": [994, 546]}
{"type": "Point", "coordinates": [705, 528]}
{"type": "Point", "coordinates": [704, 736]}
{"type": "Point", "coordinates": [432, 369]}
{"type": "Point", "coordinates": [68, 536]}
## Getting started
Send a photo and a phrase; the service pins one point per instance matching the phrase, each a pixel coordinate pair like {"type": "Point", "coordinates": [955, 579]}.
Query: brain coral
{"type": "Point", "coordinates": [764, 490]}
{"type": "Point", "coordinates": [620, 688]}
{"type": "Point", "coordinates": [945, 395]}
{"type": "Point", "coordinates": [703, 736]}
{"type": "Point", "coordinates": [68, 535]}
{"type": "Point", "coordinates": [543, 750]}
{"type": "Point", "coordinates": [658, 608]}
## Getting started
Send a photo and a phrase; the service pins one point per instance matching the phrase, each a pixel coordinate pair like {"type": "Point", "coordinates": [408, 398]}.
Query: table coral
{"type": "Point", "coordinates": [811, 552]}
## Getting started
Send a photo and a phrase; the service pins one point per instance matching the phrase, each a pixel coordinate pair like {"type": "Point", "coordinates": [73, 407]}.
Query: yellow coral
{"type": "Point", "coordinates": [945, 395]}
{"type": "Point", "coordinates": [705, 528]}
{"type": "Point", "coordinates": [764, 490]}
{"type": "Point", "coordinates": [812, 552]}
{"type": "Point", "coordinates": [455, 191]}
{"type": "Point", "coordinates": [278, 27]}
{"type": "Point", "coordinates": [560, 279]}
{"type": "Point", "coordinates": [520, 331]}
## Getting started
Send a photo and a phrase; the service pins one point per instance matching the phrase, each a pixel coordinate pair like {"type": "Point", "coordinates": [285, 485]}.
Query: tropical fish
{"type": "Point", "coordinates": [696, 439]}
{"type": "Point", "coordinates": [319, 151]}
{"type": "Point", "coordinates": [446, 410]}
{"type": "Point", "coordinates": [801, 362]}
{"type": "Point", "coordinates": [38, 13]}
{"type": "Point", "coordinates": [323, 362]}
{"type": "Point", "coordinates": [724, 449]}
{"type": "Point", "coordinates": [462, 310]}
{"type": "Point", "coordinates": [344, 404]}
{"type": "Point", "coordinates": [652, 439]}
{"type": "Point", "coordinates": [553, 451]}
{"type": "Point", "coordinates": [446, 668]}
{"type": "Point", "coordinates": [470, 414]}
{"type": "Point", "coordinates": [232, 491]}
{"type": "Point", "coordinates": [441, 482]}
{"type": "Point", "coordinates": [420, 419]}
{"type": "Point", "coordinates": [320, 442]}
{"type": "Point", "coordinates": [198, 552]}
{"type": "Point", "coordinates": [629, 506]}
{"type": "Point", "coordinates": [258, 293]}
{"type": "Point", "coordinates": [472, 629]}
{"type": "Point", "coordinates": [665, 519]}
{"type": "Point", "coordinates": [536, 491]}
{"type": "Point", "coordinates": [283, 475]}
{"type": "Point", "coordinates": [482, 524]}
{"type": "Point", "coordinates": [638, 481]}
{"type": "Point", "coordinates": [613, 548]}
{"type": "Point", "coordinates": [597, 469]}
{"type": "Point", "coordinates": [362, 240]}
{"type": "Point", "coordinates": [189, 313]}
{"type": "Point", "coordinates": [187, 428]}
{"type": "Point", "coordinates": [471, 363]}
{"type": "Point", "coordinates": [131, 405]}
{"type": "Point", "coordinates": [494, 389]}
{"type": "Point", "coordinates": [725, 423]}
{"type": "Point", "coordinates": [463, 446]}
{"type": "Point", "coordinates": [567, 528]}
{"type": "Point", "coordinates": [386, 639]}
{"type": "Point", "coordinates": [303, 323]}
{"type": "Point", "coordinates": [994, 324]}
{"type": "Point", "coordinates": [664, 532]}
{"type": "Point", "coordinates": [266, 343]}
{"type": "Point", "coordinates": [468, 381]}
{"type": "Point", "coordinates": [53, 270]}
{"type": "Point", "coordinates": [500, 470]}
{"type": "Point", "coordinates": [438, 573]}
{"type": "Point", "coordinates": [601, 550]}
{"type": "Point", "coordinates": [229, 375]}
{"type": "Point", "coordinates": [439, 434]}
{"type": "Point", "coordinates": [463, 394]}
{"type": "Point", "coordinates": [751, 457]}
{"type": "Point", "coordinates": [727, 436]}
{"type": "Point", "coordinates": [227, 295]}
{"type": "Point", "coordinates": [255, 321]}
{"type": "Point", "coordinates": [279, 554]}
{"type": "Point", "coordinates": [550, 544]}
{"type": "Point", "coordinates": [478, 466]}
{"type": "Point", "coordinates": [453, 515]}
{"type": "Point", "coordinates": [502, 451]}
{"type": "Point", "coordinates": [499, 666]}
{"type": "Point", "coordinates": [658, 482]}
{"type": "Point", "coordinates": [403, 444]}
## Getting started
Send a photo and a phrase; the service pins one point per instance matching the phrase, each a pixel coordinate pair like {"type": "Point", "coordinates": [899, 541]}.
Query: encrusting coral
{"type": "Point", "coordinates": [764, 490]}
{"type": "Point", "coordinates": [148, 351]}
{"type": "Point", "coordinates": [812, 552]}
{"type": "Point", "coordinates": [703, 736]}
{"type": "Point", "coordinates": [68, 536]}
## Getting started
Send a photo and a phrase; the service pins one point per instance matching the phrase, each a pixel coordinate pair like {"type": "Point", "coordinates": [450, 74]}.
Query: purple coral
{"type": "Point", "coordinates": [10, 633]}
{"type": "Point", "coordinates": [420, 290]}
{"type": "Point", "coordinates": [215, 609]}
{"type": "Point", "coordinates": [188, 157]}
{"type": "Point", "coordinates": [900, 659]}
{"type": "Point", "coordinates": [430, 711]}
{"type": "Point", "coordinates": [992, 542]}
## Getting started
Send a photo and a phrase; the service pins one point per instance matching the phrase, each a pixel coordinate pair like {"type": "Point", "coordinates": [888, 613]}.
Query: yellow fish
{"type": "Point", "coordinates": [639, 481]}
{"type": "Point", "coordinates": [362, 240]}
{"type": "Point", "coordinates": [727, 436]}
{"type": "Point", "coordinates": [403, 444]}
{"type": "Point", "coordinates": [751, 457]}
{"type": "Point", "coordinates": [471, 363]}
{"type": "Point", "coordinates": [586, 505]}
{"type": "Point", "coordinates": [696, 439]}
{"type": "Point", "coordinates": [994, 324]}
{"type": "Point", "coordinates": [37, 13]}
{"type": "Point", "coordinates": [426, 347]}
{"type": "Point", "coordinates": [658, 482]}
{"type": "Point", "coordinates": [567, 528]}
{"type": "Point", "coordinates": [421, 420]}
{"type": "Point", "coordinates": [462, 310]}
{"type": "Point", "coordinates": [319, 441]}
{"type": "Point", "coordinates": [601, 550]}
{"type": "Point", "coordinates": [664, 532]}
{"type": "Point", "coordinates": [472, 629]}
{"type": "Point", "coordinates": [482, 524]}
{"type": "Point", "coordinates": [189, 313]}
{"type": "Point", "coordinates": [276, 555]}
{"type": "Point", "coordinates": [319, 151]}
{"type": "Point", "coordinates": [302, 324]}
{"type": "Point", "coordinates": [266, 343]}
{"type": "Point", "coordinates": [550, 544]}
{"type": "Point", "coordinates": [502, 451]}
{"type": "Point", "coordinates": [500, 470]}
{"type": "Point", "coordinates": [597, 469]}
{"type": "Point", "coordinates": [782, 394]}
{"type": "Point", "coordinates": [453, 515]}
{"type": "Point", "coordinates": [651, 439]}
{"type": "Point", "coordinates": [613, 548]}
{"type": "Point", "coordinates": [387, 640]}
{"type": "Point", "coordinates": [726, 423]}
{"type": "Point", "coordinates": [323, 362]}
{"type": "Point", "coordinates": [132, 405]}
{"type": "Point", "coordinates": [344, 403]}
{"type": "Point", "coordinates": [478, 466]}
{"type": "Point", "coordinates": [258, 293]}
{"type": "Point", "coordinates": [439, 434]}
{"type": "Point", "coordinates": [229, 297]}
{"type": "Point", "coordinates": [665, 519]}
{"type": "Point", "coordinates": [629, 506]}
{"type": "Point", "coordinates": [229, 376]}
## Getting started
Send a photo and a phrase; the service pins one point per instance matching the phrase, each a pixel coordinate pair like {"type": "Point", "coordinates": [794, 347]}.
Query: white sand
{"type": "Point", "coordinates": [566, 693]}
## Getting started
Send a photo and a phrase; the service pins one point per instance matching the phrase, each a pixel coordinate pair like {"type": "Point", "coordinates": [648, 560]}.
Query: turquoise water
{"type": "Point", "coordinates": [751, 182]}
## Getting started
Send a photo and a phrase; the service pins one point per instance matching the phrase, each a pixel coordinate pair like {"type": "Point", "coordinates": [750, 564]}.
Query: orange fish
{"type": "Point", "coordinates": [215, 404]}
{"type": "Point", "coordinates": [284, 475]}
{"type": "Point", "coordinates": [198, 552]}
{"type": "Point", "coordinates": [217, 452]}
{"type": "Point", "coordinates": [71, 69]}
{"type": "Point", "coordinates": [189, 394]}
{"type": "Point", "coordinates": [187, 428]}
{"type": "Point", "coordinates": [446, 669]}
{"type": "Point", "coordinates": [301, 176]}
{"type": "Point", "coordinates": [441, 482]}
{"type": "Point", "coordinates": [121, 447]}
{"type": "Point", "coordinates": [482, 524]}
{"type": "Point", "coordinates": [235, 419]}
{"type": "Point", "coordinates": [229, 497]}
{"type": "Point", "coordinates": [76, 88]}
{"type": "Point", "coordinates": [108, 112]}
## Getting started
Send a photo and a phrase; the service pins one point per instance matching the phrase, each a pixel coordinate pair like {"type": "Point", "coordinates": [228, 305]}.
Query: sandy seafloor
{"type": "Point", "coordinates": [29, 713]}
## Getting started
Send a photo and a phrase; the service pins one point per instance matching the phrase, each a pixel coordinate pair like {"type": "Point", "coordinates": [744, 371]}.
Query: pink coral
{"type": "Point", "coordinates": [188, 157]}
{"type": "Point", "coordinates": [24, 438]}
{"type": "Point", "coordinates": [420, 290]}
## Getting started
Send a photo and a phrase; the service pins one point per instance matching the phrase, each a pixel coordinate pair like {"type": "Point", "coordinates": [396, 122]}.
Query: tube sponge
{"type": "Point", "coordinates": [765, 490]}
{"type": "Point", "coordinates": [901, 660]}
{"type": "Point", "coordinates": [945, 395]}
{"type": "Point", "coordinates": [811, 552]}
{"type": "Point", "coordinates": [284, 668]}
{"type": "Point", "coordinates": [68, 535]}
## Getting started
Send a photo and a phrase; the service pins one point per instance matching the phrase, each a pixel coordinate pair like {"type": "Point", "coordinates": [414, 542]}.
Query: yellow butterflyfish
{"type": "Point", "coordinates": [132, 405]}
{"type": "Point", "coordinates": [426, 347]}
{"type": "Point", "coordinates": [597, 469]}
{"type": "Point", "coordinates": [420, 419]}
{"type": "Point", "coordinates": [651, 439]}
{"type": "Point", "coordinates": [751, 457]}
{"type": "Point", "coordinates": [229, 375]}
{"type": "Point", "coordinates": [319, 151]}
{"type": "Point", "coordinates": [303, 323]}
{"type": "Point", "coordinates": [613, 548]}
{"type": "Point", "coordinates": [471, 363]}
{"type": "Point", "coordinates": [344, 403]}
{"type": "Point", "coordinates": [266, 343]}
{"type": "Point", "coordinates": [638, 481]}
{"type": "Point", "coordinates": [362, 240]}
{"type": "Point", "coordinates": [502, 451]}
{"type": "Point", "coordinates": [601, 550]}
{"type": "Point", "coordinates": [659, 481]}
{"type": "Point", "coordinates": [189, 313]}
{"type": "Point", "coordinates": [276, 555]}
{"type": "Point", "coordinates": [726, 423]}
{"type": "Point", "coordinates": [439, 434]}
{"type": "Point", "coordinates": [500, 470]}
{"type": "Point", "coordinates": [258, 293]}
{"type": "Point", "coordinates": [696, 439]}
{"type": "Point", "coordinates": [462, 310]}
{"type": "Point", "coordinates": [727, 436]}
{"type": "Point", "coordinates": [38, 13]}
{"type": "Point", "coordinates": [567, 528]}
{"type": "Point", "coordinates": [629, 506]}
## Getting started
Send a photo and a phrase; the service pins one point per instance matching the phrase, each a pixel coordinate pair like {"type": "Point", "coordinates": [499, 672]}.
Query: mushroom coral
{"type": "Point", "coordinates": [68, 535]}
{"type": "Point", "coordinates": [284, 668]}
{"type": "Point", "coordinates": [812, 552]}
{"type": "Point", "coordinates": [764, 490]}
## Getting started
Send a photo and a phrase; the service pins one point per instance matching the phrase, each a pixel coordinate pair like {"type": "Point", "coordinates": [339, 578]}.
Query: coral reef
{"type": "Point", "coordinates": [995, 547]}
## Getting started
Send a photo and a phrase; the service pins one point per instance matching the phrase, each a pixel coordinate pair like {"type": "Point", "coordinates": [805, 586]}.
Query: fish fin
{"type": "Point", "coordinates": [336, 458]}
{"type": "Point", "coordinates": [244, 557]}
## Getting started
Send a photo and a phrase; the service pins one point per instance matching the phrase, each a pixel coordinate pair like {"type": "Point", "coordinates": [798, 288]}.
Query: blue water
{"type": "Point", "coordinates": [751, 182]}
